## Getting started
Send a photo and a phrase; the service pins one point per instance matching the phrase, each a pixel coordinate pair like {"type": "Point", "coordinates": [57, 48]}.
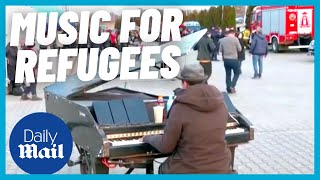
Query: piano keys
{"type": "Point", "coordinates": [134, 138]}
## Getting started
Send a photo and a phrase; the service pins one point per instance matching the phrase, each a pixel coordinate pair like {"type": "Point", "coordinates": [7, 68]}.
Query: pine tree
{"type": "Point", "coordinates": [201, 18]}
{"type": "Point", "coordinates": [232, 17]}
{"type": "Point", "coordinates": [211, 16]}
{"type": "Point", "coordinates": [224, 17]}
{"type": "Point", "coordinates": [216, 17]}
{"type": "Point", "coordinates": [185, 16]}
{"type": "Point", "coordinates": [229, 17]}
{"type": "Point", "coordinates": [219, 16]}
{"type": "Point", "coordinates": [193, 16]}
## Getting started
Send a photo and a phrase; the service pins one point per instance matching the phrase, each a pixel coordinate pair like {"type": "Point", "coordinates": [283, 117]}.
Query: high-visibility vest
{"type": "Point", "coordinates": [246, 34]}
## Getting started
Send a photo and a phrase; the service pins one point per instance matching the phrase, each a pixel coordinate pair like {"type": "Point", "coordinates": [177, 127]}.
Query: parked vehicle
{"type": "Point", "coordinates": [193, 26]}
{"type": "Point", "coordinates": [285, 26]}
{"type": "Point", "coordinates": [239, 20]}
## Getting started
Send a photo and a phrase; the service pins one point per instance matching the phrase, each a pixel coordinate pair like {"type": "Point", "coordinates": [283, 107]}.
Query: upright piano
{"type": "Point", "coordinates": [106, 125]}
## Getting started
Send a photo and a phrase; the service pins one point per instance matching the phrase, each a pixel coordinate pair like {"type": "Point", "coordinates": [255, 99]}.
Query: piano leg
{"type": "Point", "coordinates": [233, 151]}
{"type": "Point", "coordinates": [149, 167]}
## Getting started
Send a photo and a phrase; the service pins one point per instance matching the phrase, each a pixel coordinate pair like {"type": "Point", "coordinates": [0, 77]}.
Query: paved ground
{"type": "Point", "coordinates": [280, 105]}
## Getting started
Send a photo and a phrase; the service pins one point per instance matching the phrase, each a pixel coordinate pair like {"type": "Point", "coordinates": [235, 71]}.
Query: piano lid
{"type": "Point", "coordinates": [74, 86]}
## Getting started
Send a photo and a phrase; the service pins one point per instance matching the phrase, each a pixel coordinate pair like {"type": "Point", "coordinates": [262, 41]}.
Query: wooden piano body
{"type": "Point", "coordinates": [95, 132]}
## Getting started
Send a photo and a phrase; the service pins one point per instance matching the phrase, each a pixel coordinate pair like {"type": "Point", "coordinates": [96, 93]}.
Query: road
{"type": "Point", "coordinates": [280, 105]}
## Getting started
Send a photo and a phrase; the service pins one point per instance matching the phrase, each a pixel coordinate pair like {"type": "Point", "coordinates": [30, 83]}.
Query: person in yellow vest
{"type": "Point", "coordinates": [246, 37]}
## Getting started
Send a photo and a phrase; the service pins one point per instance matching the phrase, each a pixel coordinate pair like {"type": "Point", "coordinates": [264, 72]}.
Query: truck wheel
{"type": "Point", "coordinates": [275, 45]}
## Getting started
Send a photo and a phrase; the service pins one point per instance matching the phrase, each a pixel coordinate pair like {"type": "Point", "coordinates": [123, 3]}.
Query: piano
{"type": "Point", "coordinates": [106, 125]}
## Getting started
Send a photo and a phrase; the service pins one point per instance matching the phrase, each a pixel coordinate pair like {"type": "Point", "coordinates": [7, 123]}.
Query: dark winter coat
{"type": "Point", "coordinates": [259, 45]}
{"type": "Point", "coordinates": [205, 47]}
{"type": "Point", "coordinates": [11, 55]}
{"type": "Point", "coordinates": [194, 134]}
{"type": "Point", "coordinates": [241, 54]}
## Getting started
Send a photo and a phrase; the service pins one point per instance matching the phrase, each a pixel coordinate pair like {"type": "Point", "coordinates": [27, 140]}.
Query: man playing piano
{"type": "Point", "coordinates": [195, 128]}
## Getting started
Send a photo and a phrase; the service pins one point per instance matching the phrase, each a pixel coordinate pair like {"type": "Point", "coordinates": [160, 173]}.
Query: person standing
{"type": "Point", "coordinates": [215, 39]}
{"type": "Point", "coordinates": [205, 47]}
{"type": "Point", "coordinates": [219, 36]}
{"type": "Point", "coordinates": [246, 37]}
{"type": "Point", "coordinates": [242, 53]}
{"type": "Point", "coordinates": [258, 49]}
{"type": "Point", "coordinates": [229, 47]}
{"type": "Point", "coordinates": [31, 87]}
{"type": "Point", "coordinates": [11, 55]}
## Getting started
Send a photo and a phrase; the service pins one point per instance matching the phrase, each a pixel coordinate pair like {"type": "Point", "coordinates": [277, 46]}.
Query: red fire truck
{"type": "Point", "coordinates": [285, 26]}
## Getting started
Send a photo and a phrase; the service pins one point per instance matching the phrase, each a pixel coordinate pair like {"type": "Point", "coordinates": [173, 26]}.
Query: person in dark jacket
{"type": "Point", "coordinates": [258, 49]}
{"type": "Point", "coordinates": [31, 87]}
{"type": "Point", "coordinates": [241, 54]}
{"type": "Point", "coordinates": [194, 133]}
{"type": "Point", "coordinates": [205, 47]}
{"type": "Point", "coordinates": [215, 38]}
{"type": "Point", "coordinates": [11, 55]}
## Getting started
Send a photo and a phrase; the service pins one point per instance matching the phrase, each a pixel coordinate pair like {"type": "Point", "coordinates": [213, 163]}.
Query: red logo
{"type": "Point", "coordinates": [304, 20]}
{"type": "Point", "coordinates": [292, 17]}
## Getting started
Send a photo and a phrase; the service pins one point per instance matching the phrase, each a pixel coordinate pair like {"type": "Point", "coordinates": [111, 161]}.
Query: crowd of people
{"type": "Point", "coordinates": [232, 45]}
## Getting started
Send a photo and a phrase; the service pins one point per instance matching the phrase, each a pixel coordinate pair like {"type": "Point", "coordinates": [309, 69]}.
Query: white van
{"type": "Point", "coordinates": [193, 26]}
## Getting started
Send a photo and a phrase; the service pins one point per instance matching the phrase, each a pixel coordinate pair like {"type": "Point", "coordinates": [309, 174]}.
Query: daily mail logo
{"type": "Point", "coordinates": [41, 143]}
{"type": "Point", "coordinates": [32, 150]}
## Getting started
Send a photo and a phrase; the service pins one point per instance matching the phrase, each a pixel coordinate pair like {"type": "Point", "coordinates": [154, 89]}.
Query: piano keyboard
{"type": "Point", "coordinates": [126, 142]}
{"type": "Point", "coordinates": [235, 130]}
{"type": "Point", "coordinates": [134, 134]}
{"type": "Point", "coordinates": [120, 139]}
{"type": "Point", "coordinates": [155, 132]}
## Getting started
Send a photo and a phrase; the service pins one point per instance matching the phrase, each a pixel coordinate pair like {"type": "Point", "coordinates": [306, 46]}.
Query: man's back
{"type": "Point", "coordinates": [259, 45]}
{"type": "Point", "coordinates": [205, 46]}
{"type": "Point", "coordinates": [196, 126]}
{"type": "Point", "coordinates": [230, 46]}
